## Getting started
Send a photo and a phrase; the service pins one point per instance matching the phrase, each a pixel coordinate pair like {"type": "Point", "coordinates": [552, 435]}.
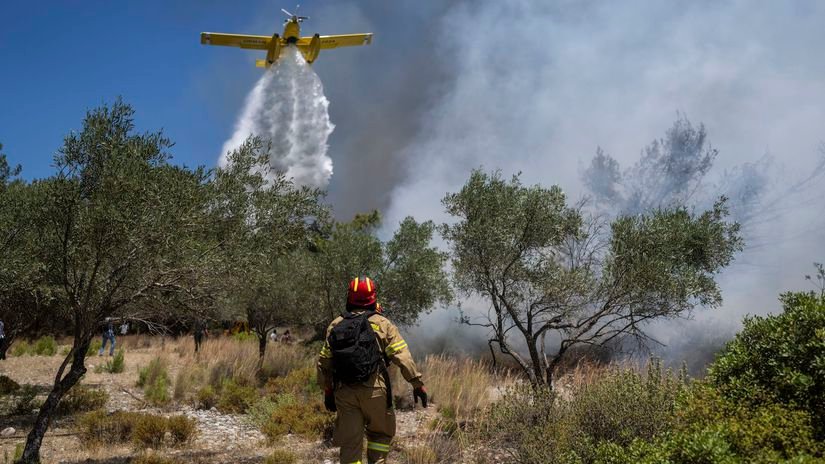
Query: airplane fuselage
{"type": "Point", "coordinates": [292, 31]}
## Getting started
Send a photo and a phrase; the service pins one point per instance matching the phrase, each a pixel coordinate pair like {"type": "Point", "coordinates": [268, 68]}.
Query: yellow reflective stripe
{"type": "Point", "coordinates": [384, 448]}
{"type": "Point", "coordinates": [355, 285]}
{"type": "Point", "coordinates": [375, 327]}
{"type": "Point", "coordinates": [325, 351]}
{"type": "Point", "coordinates": [396, 347]}
{"type": "Point", "coordinates": [356, 462]}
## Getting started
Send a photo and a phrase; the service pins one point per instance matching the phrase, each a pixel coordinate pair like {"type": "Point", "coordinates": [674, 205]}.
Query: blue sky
{"type": "Point", "coordinates": [60, 58]}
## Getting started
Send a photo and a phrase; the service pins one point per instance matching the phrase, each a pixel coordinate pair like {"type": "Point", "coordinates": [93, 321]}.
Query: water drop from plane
{"type": "Point", "coordinates": [288, 107]}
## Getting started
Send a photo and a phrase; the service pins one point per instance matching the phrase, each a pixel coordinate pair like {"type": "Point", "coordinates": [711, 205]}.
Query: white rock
{"type": "Point", "coordinates": [7, 432]}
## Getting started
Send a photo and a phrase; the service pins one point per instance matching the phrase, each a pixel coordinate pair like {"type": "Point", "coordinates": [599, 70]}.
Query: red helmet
{"type": "Point", "coordinates": [361, 292]}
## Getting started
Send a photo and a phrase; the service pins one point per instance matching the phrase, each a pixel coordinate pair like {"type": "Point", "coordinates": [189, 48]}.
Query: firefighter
{"type": "Point", "coordinates": [352, 369]}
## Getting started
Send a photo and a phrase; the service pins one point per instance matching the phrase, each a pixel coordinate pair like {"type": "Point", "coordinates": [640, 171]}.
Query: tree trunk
{"type": "Point", "coordinates": [31, 453]}
{"type": "Point", "coordinates": [261, 344]}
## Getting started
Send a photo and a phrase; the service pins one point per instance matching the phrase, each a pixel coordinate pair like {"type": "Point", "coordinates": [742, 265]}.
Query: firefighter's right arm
{"type": "Point", "coordinates": [325, 364]}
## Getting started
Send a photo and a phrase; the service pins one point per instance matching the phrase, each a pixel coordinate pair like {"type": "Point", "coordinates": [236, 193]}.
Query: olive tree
{"type": "Point", "coordinates": [556, 279]}
{"type": "Point", "coordinates": [409, 271]}
{"type": "Point", "coordinates": [120, 230]}
{"type": "Point", "coordinates": [269, 220]}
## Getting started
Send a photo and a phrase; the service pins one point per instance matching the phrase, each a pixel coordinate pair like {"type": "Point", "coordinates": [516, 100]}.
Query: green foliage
{"type": "Point", "coordinates": [145, 430]}
{"type": "Point", "coordinates": [155, 459]}
{"type": "Point", "coordinates": [82, 399]}
{"type": "Point", "coordinates": [43, 346]}
{"type": "Point", "coordinates": [618, 407]}
{"type": "Point", "coordinates": [25, 400]}
{"type": "Point", "coordinates": [779, 358]}
{"type": "Point", "coordinates": [293, 405]}
{"type": "Point", "coordinates": [280, 456]}
{"type": "Point", "coordinates": [116, 365]}
{"type": "Point", "coordinates": [408, 270]}
{"type": "Point", "coordinates": [7, 385]}
{"type": "Point", "coordinates": [154, 379]}
{"type": "Point", "coordinates": [21, 348]}
{"type": "Point", "coordinates": [206, 398]}
{"type": "Point", "coordinates": [94, 347]}
{"type": "Point", "coordinates": [245, 337]}
{"type": "Point", "coordinates": [546, 268]}
{"type": "Point", "coordinates": [235, 398]}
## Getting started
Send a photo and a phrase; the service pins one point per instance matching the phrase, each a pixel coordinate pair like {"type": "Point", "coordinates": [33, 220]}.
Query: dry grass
{"type": "Point", "coordinates": [462, 389]}
{"type": "Point", "coordinates": [226, 358]}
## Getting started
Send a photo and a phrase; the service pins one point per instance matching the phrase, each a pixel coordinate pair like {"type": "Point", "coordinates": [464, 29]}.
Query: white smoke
{"type": "Point", "coordinates": [288, 108]}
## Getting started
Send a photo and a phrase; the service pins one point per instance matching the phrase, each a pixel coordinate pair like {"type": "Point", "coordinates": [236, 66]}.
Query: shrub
{"type": "Point", "coordinates": [280, 456]}
{"type": "Point", "coordinates": [244, 337]}
{"type": "Point", "coordinates": [779, 358]}
{"type": "Point", "coordinates": [82, 399]}
{"type": "Point", "coordinates": [99, 427]}
{"type": "Point", "coordinates": [235, 398]}
{"type": "Point", "coordinates": [618, 407]}
{"type": "Point", "coordinates": [45, 346]}
{"type": "Point", "coordinates": [21, 348]}
{"type": "Point", "coordinates": [154, 379]}
{"type": "Point", "coordinates": [148, 375]}
{"type": "Point", "coordinates": [308, 419]}
{"type": "Point", "coordinates": [149, 430]}
{"type": "Point", "coordinates": [206, 398]}
{"type": "Point", "coordinates": [298, 382]}
{"type": "Point", "coordinates": [181, 428]}
{"type": "Point", "coordinates": [8, 386]}
{"type": "Point", "coordinates": [25, 401]}
{"type": "Point", "coordinates": [155, 459]}
{"type": "Point", "coordinates": [282, 359]}
{"type": "Point", "coordinates": [189, 379]}
{"type": "Point", "coordinates": [116, 365]}
{"type": "Point", "coordinates": [157, 393]}
{"type": "Point", "coordinates": [94, 347]}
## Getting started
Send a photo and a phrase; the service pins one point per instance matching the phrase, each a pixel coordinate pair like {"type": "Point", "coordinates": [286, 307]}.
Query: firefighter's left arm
{"type": "Point", "coordinates": [398, 352]}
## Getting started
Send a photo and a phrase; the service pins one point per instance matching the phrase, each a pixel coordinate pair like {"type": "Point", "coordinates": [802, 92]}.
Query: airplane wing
{"type": "Point", "coordinates": [335, 41]}
{"type": "Point", "coordinates": [254, 42]}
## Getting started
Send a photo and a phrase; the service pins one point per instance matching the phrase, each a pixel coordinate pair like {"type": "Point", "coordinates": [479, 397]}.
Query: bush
{"type": "Point", "coordinates": [45, 346]}
{"type": "Point", "coordinates": [154, 459]}
{"type": "Point", "coordinates": [207, 398]}
{"type": "Point", "coordinates": [293, 405]}
{"type": "Point", "coordinates": [244, 337]}
{"type": "Point", "coordinates": [116, 365]}
{"type": "Point", "coordinates": [154, 379]}
{"type": "Point", "coordinates": [779, 358]}
{"type": "Point", "coordinates": [618, 407]}
{"type": "Point", "coordinates": [25, 400]}
{"type": "Point", "coordinates": [82, 399]}
{"type": "Point", "coordinates": [235, 398]}
{"type": "Point", "coordinates": [21, 348]}
{"type": "Point", "coordinates": [8, 386]}
{"type": "Point", "coordinates": [147, 430]}
{"type": "Point", "coordinates": [189, 379]}
{"type": "Point", "coordinates": [94, 347]}
{"type": "Point", "coordinates": [281, 457]}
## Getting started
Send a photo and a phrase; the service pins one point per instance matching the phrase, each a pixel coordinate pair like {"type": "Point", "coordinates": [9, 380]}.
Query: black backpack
{"type": "Point", "coordinates": [356, 354]}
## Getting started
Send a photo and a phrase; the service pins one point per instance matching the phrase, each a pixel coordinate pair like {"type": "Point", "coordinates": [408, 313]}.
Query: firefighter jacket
{"type": "Point", "coordinates": [392, 345]}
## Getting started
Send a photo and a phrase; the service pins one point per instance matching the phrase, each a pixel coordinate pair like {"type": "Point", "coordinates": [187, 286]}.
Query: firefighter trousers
{"type": "Point", "coordinates": [363, 409]}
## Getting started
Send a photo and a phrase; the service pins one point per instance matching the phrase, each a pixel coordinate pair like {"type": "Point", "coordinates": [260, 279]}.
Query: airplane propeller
{"type": "Point", "coordinates": [300, 19]}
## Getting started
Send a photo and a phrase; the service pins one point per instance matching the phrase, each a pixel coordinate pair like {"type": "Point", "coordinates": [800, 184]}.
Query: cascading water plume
{"type": "Point", "coordinates": [288, 107]}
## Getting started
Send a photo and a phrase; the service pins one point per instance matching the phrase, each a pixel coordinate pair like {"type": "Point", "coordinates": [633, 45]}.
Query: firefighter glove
{"type": "Point", "coordinates": [420, 393]}
{"type": "Point", "coordinates": [329, 401]}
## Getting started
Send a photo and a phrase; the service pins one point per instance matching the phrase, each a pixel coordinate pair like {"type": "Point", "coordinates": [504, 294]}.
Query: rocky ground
{"type": "Point", "coordinates": [221, 437]}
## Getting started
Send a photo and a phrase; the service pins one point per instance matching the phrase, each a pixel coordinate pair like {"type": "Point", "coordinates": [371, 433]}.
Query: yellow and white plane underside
{"type": "Point", "coordinates": [310, 47]}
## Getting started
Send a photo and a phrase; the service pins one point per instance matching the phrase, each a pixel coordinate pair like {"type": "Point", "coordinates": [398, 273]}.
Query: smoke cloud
{"type": "Point", "coordinates": [288, 107]}
{"type": "Point", "coordinates": [536, 86]}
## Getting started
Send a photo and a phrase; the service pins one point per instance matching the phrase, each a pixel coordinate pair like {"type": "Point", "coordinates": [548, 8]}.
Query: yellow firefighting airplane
{"type": "Point", "coordinates": [310, 46]}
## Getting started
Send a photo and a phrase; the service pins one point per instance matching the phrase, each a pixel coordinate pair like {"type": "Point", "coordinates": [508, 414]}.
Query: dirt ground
{"type": "Point", "coordinates": [221, 438]}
